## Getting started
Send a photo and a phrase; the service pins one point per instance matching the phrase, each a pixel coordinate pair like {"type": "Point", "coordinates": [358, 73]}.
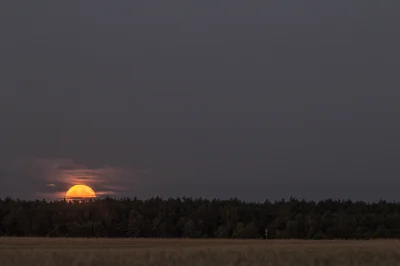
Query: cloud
{"type": "Point", "coordinates": [59, 175]}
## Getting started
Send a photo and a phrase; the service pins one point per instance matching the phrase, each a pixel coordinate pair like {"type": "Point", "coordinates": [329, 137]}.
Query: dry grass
{"type": "Point", "coordinates": [115, 252]}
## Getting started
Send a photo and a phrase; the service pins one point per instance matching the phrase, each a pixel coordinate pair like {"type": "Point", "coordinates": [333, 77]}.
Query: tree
{"type": "Point", "coordinates": [193, 218]}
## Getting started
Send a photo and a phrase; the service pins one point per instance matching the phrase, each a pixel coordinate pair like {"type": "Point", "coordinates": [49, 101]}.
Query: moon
{"type": "Point", "coordinates": [80, 191]}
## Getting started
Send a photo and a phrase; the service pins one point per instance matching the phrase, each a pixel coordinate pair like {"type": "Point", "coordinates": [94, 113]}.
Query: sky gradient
{"type": "Point", "coordinates": [238, 99]}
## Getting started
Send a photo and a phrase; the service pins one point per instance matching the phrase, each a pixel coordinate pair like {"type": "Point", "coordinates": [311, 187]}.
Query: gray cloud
{"type": "Point", "coordinates": [254, 99]}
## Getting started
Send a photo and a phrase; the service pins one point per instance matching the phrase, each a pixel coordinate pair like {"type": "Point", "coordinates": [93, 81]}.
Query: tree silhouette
{"type": "Point", "coordinates": [200, 218]}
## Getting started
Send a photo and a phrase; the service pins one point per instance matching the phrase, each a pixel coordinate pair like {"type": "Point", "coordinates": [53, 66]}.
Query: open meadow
{"type": "Point", "coordinates": [115, 252]}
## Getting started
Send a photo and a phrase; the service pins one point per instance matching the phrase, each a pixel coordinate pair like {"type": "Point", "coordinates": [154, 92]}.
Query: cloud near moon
{"type": "Point", "coordinates": [58, 175]}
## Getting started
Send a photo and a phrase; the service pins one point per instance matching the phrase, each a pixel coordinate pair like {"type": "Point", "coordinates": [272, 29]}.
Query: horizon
{"type": "Point", "coordinates": [124, 122]}
{"type": "Point", "coordinates": [183, 198]}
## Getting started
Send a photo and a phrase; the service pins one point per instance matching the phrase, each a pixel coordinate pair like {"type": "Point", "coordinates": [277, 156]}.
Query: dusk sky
{"type": "Point", "coordinates": [202, 99]}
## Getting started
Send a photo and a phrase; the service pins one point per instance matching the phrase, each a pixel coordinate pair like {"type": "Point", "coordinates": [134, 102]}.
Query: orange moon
{"type": "Point", "coordinates": [80, 191]}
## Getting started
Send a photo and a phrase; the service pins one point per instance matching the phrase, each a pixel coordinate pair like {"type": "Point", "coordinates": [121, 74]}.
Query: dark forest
{"type": "Point", "coordinates": [200, 218]}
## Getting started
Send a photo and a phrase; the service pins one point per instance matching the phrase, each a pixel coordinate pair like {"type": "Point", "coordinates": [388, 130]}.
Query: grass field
{"type": "Point", "coordinates": [115, 252]}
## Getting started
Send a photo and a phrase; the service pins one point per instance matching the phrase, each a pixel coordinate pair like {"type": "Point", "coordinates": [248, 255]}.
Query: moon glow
{"type": "Point", "coordinates": [80, 191]}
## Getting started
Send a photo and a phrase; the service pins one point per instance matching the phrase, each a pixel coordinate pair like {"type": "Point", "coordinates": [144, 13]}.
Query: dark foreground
{"type": "Point", "coordinates": [115, 252]}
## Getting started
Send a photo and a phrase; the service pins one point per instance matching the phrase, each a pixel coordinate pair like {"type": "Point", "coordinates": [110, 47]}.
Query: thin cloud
{"type": "Point", "coordinates": [61, 174]}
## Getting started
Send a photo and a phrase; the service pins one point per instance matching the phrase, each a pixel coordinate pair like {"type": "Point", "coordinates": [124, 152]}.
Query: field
{"type": "Point", "coordinates": [115, 252]}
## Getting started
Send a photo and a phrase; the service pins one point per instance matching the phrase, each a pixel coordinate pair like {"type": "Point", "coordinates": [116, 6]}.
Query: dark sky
{"type": "Point", "coordinates": [213, 99]}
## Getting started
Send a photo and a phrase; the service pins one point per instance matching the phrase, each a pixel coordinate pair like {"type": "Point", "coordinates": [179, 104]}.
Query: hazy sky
{"type": "Point", "coordinates": [214, 99]}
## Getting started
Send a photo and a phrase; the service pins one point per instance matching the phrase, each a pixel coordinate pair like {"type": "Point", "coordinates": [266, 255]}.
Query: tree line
{"type": "Point", "coordinates": [200, 218]}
